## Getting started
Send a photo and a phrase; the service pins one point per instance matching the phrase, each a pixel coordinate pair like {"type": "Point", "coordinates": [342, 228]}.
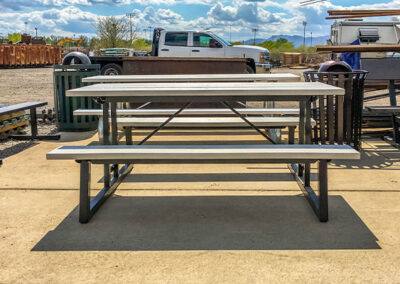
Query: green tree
{"type": "Point", "coordinates": [15, 37]}
{"type": "Point", "coordinates": [112, 31]}
{"type": "Point", "coordinates": [141, 44]}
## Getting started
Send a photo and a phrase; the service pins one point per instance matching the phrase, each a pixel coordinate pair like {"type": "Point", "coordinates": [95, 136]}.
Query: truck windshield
{"type": "Point", "coordinates": [221, 39]}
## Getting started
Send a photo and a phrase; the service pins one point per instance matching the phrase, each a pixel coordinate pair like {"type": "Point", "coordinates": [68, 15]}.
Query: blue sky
{"type": "Point", "coordinates": [228, 18]}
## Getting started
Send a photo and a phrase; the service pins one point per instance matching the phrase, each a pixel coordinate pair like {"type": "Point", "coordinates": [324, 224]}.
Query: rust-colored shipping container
{"type": "Point", "coordinates": [12, 55]}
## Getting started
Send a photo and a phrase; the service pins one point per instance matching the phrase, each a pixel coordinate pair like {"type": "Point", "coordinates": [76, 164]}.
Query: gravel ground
{"type": "Point", "coordinates": [36, 84]}
{"type": "Point", "coordinates": [21, 85]}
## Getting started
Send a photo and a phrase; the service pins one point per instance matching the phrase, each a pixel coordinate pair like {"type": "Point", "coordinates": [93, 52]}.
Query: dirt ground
{"type": "Point", "coordinates": [26, 84]}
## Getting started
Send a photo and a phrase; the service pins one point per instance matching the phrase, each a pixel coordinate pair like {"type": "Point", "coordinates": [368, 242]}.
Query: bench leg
{"type": "Point", "coordinates": [396, 133]}
{"type": "Point", "coordinates": [34, 131]}
{"type": "Point", "coordinates": [88, 207]}
{"type": "Point", "coordinates": [318, 203]}
{"type": "Point", "coordinates": [128, 135]}
{"type": "Point", "coordinates": [291, 134]}
{"type": "Point", "coordinates": [84, 193]}
{"type": "Point", "coordinates": [323, 190]}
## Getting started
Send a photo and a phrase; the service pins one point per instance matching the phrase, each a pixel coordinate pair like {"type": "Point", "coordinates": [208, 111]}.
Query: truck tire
{"type": "Point", "coordinates": [249, 70]}
{"type": "Point", "coordinates": [111, 69]}
{"type": "Point", "coordinates": [76, 57]}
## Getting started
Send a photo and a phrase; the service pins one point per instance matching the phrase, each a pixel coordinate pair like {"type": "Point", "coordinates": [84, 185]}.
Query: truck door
{"type": "Point", "coordinates": [174, 44]}
{"type": "Point", "coordinates": [205, 45]}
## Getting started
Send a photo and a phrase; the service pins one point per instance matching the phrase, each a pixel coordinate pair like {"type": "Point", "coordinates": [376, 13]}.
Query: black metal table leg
{"type": "Point", "coordinates": [84, 192]}
{"type": "Point", "coordinates": [302, 125]}
{"type": "Point", "coordinates": [34, 131]}
{"type": "Point", "coordinates": [308, 138]}
{"type": "Point", "coordinates": [128, 135]}
{"type": "Point", "coordinates": [114, 136]}
{"type": "Point", "coordinates": [106, 141]}
{"type": "Point", "coordinates": [392, 93]}
{"type": "Point", "coordinates": [87, 206]}
{"type": "Point", "coordinates": [323, 190]}
{"type": "Point", "coordinates": [319, 204]}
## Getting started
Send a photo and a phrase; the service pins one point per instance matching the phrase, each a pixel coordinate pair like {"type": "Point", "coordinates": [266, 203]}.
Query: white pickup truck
{"type": "Point", "coordinates": [206, 44]}
{"type": "Point", "coordinates": [182, 44]}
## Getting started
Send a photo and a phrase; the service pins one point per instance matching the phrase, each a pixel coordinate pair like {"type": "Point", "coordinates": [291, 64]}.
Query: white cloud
{"type": "Point", "coordinates": [68, 17]}
{"type": "Point", "coordinates": [66, 21]}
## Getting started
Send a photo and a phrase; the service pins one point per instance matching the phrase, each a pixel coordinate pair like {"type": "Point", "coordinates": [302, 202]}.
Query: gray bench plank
{"type": "Point", "coordinates": [209, 122]}
{"type": "Point", "coordinates": [20, 107]}
{"type": "Point", "coordinates": [384, 109]}
{"type": "Point", "coordinates": [202, 152]}
{"type": "Point", "coordinates": [210, 111]}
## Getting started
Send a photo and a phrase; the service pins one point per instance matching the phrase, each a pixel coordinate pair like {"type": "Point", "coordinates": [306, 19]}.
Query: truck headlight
{"type": "Point", "coordinates": [264, 56]}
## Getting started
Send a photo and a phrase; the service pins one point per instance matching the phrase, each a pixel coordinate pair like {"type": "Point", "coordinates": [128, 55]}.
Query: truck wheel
{"type": "Point", "coordinates": [111, 69]}
{"type": "Point", "coordinates": [249, 70]}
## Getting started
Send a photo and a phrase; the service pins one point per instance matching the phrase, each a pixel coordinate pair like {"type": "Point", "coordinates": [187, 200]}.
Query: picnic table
{"type": "Point", "coordinates": [109, 94]}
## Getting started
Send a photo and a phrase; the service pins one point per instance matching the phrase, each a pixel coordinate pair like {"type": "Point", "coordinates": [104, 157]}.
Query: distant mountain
{"type": "Point", "coordinates": [296, 39]}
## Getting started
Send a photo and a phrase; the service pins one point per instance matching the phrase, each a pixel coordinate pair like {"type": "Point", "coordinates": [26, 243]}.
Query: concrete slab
{"type": "Point", "coordinates": [206, 224]}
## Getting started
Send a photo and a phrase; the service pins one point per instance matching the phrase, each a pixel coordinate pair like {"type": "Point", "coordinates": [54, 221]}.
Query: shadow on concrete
{"type": "Point", "coordinates": [76, 136]}
{"type": "Point", "coordinates": [210, 223]}
{"type": "Point", "coordinates": [372, 158]}
{"type": "Point", "coordinates": [16, 147]}
{"type": "Point", "coordinates": [210, 177]}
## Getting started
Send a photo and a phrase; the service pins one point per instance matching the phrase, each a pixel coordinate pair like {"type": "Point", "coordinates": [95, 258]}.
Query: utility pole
{"type": "Point", "coordinates": [304, 38]}
{"type": "Point", "coordinates": [36, 31]}
{"type": "Point", "coordinates": [150, 32]}
{"type": "Point", "coordinates": [254, 31]}
{"type": "Point", "coordinates": [311, 39]}
{"type": "Point", "coordinates": [130, 16]}
{"type": "Point", "coordinates": [26, 27]}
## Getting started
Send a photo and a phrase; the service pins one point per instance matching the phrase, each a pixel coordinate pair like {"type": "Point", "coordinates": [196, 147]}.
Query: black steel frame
{"type": "Point", "coordinates": [302, 171]}
{"type": "Point", "coordinates": [88, 206]}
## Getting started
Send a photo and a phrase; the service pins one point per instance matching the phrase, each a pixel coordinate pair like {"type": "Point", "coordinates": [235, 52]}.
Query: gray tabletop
{"type": "Point", "coordinates": [192, 78]}
{"type": "Point", "coordinates": [195, 91]}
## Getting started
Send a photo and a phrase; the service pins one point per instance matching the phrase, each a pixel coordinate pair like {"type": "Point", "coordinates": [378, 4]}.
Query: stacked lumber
{"type": "Point", "coordinates": [29, 55]}
{"type": "Point", "coordinates": [348, 14]}
{"type": "Point", "coordinates": [291, 58]}
{"type": "Point", "coordinates": [359, 48]}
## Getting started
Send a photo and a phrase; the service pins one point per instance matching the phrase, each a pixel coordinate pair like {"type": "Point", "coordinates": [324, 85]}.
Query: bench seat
{"type": "Point", "coordinates": [204, 152]}
{"type": "Point", "coordinates": [209, 122]}
{"type": "Point", "coordinates": [200, 111]}
{"type": "Point", "coordinates": [395, 110]}
{"type": "Point", "coordinates": [119, 154]}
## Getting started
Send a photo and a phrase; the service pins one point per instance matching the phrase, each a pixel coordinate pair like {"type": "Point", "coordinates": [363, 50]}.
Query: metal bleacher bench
{"type": "Point", "coordinates": [394, 112]}
{"type": "Point", "coordinates": [31, 106]}
{"type": "Point", "coordinates": [87, 155]}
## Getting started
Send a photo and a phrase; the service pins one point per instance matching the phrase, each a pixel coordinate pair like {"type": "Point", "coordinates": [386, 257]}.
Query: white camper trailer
{"type": "Point", "coordinates": [345, 32]}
